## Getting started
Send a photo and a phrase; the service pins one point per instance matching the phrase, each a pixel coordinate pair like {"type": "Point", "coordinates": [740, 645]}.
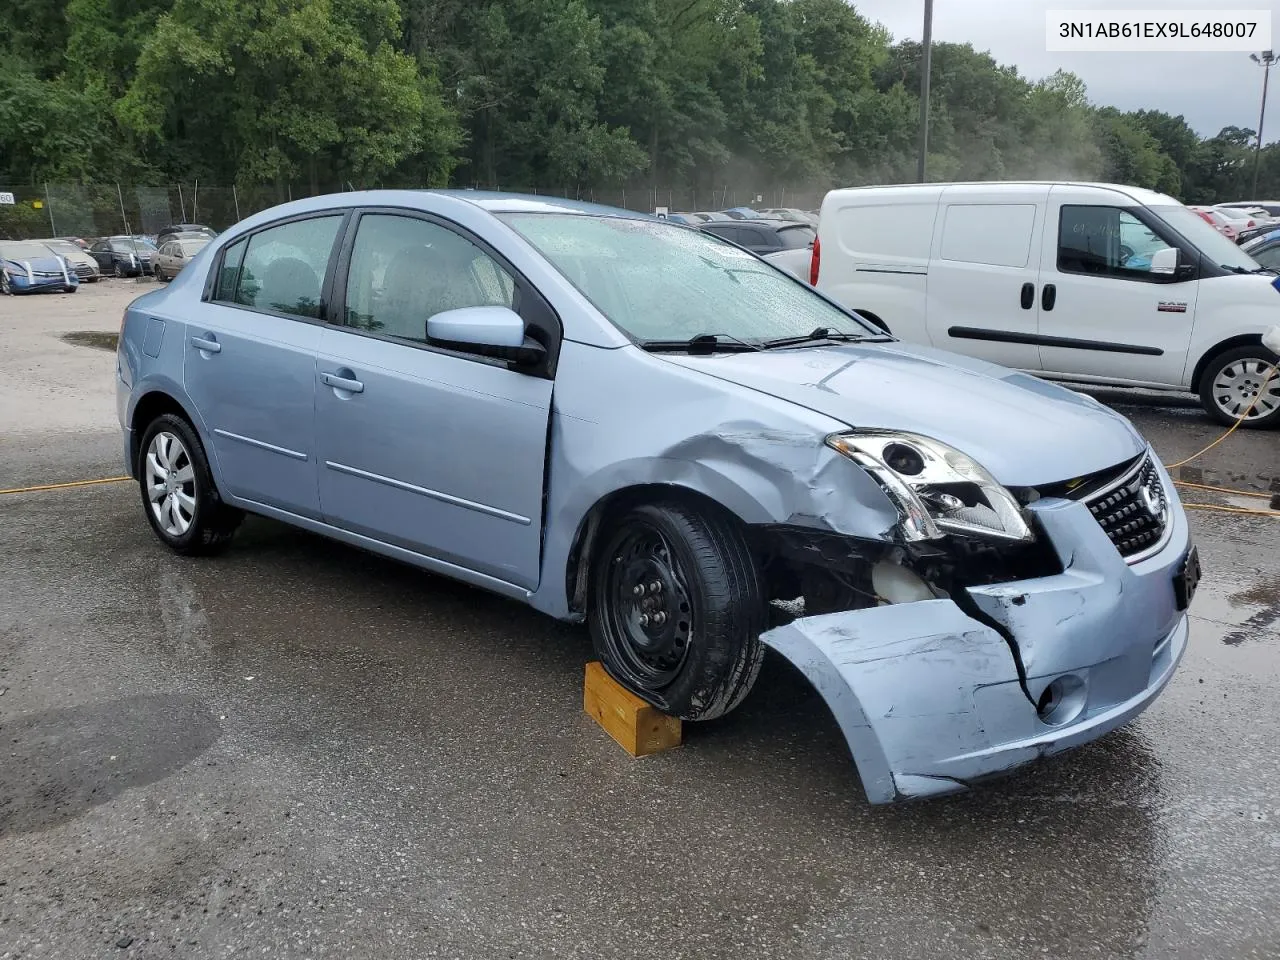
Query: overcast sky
{"type": "Point", "coordinates": [1212, 90]}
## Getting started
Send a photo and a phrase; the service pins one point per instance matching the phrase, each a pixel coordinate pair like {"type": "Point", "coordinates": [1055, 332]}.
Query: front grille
{"type": "Point", "coordinates": [1133, 511]}
{"type": "Point", "coordinates": [84, 270]}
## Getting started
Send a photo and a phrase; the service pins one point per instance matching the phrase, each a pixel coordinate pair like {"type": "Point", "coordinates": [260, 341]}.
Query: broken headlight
{"type": "Point", "coordinates": [936, 488]}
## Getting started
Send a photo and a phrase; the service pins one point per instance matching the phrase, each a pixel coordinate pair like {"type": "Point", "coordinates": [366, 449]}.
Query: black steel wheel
{"type": "Point", "coordinates": [676, 610]}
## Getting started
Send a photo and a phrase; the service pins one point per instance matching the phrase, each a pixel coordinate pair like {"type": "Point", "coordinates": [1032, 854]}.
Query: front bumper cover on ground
{"type": "Point", "coordinates": [930, 698]}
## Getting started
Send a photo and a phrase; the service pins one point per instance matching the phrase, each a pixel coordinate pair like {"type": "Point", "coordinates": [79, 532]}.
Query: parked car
{"type": "Point", "coordinates": [123, 256]}
{"type": "Point", "coordinates": [1045, 277]}
{"type": "Point", "coordinates": [1220, 222]}
{"type": "Point", "coordinates": [784, 243]}
{"type": "Point", "coordinates": [85, 266]}
{"type": "Point", "coordinates": [743, 213]}
{"type": "Point", "coordinates": [27, 266]}
{"type": "Point", "coordinates": [78, 241]}
{"type": "Point", "coordinates": [1265, 249]}
{"type": "Point", "coordinates": [1269, 207]}
{"type": "Point", "coordinates": [1264, 227]}
{"type": "Point", "coordinates": [792, 214]}
{"type": "Point", "coordinates": [175, 254]}
{"type": "Point", "coordinates": [708, 216]}
{"type": "Point", "coordinates": [688, 219]}
{"type": "Point", "coordinates": [1241, 219]}
{"type": "Point", "coordinates": [721, 436]}
{"type": "Point", "coordinates": [172, 232]}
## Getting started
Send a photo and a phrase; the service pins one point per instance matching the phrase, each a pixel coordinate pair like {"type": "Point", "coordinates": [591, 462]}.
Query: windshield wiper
{"type": "Point", "coordinates": [819, 335]}
{"type": "Point", "coordinates": [702, 343]}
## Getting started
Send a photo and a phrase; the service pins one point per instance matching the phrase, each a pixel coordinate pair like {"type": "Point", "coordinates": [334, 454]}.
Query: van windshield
{"type": "Point", "coordinates": [659, 282]}
{"type": "Point", "coordinates": [1206, 239]}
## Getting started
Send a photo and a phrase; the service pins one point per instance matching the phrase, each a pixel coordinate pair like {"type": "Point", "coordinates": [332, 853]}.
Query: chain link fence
{"type": "Point", "coordinates": [90, 210]}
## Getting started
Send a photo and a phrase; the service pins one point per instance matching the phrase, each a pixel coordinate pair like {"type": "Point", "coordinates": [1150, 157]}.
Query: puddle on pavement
{"type": "Point", "coordinates": [92, 338]}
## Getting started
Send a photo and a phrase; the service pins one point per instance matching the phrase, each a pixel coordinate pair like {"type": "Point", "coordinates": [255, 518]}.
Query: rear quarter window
{"type": "Point", "coordinates": [891, 230]}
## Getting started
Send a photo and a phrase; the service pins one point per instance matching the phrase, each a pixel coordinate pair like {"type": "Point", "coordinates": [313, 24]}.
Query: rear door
{"type": "Point", "coordinates": [251, 359]}
{"type": "Point", "coordinates": [982, 296]}
{"type": "Point", "coordinates": [437, 451]}
{"type": "Point", "coordinates": [1105, 313]}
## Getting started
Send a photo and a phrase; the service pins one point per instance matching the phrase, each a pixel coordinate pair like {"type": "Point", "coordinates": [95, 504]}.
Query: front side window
{"type": "Point", "coordinates": [660, 282]}
{"type": "Point", "coordinates": [283, 267]}
{"type": "Point", "coordinates": [405, 270]}
{"type": "Point", "coordinates": [1107, 241]}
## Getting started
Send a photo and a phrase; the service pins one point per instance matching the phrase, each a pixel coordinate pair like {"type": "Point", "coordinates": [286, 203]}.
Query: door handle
{"type": "Point", "coordinates": [1028, 295]}
{"type": "Point", "coordinates": [1049, 296]}
{"type": "Point", "coordinates": [207, 343]}
{"type": "Point", "coordinates": [342, 383]}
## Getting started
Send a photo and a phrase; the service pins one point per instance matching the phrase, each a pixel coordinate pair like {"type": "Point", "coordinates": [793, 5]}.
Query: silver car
{"type": "Point", "coordinates": [174, 254]}
{"type": "Point", "coordinates": [637, 425]}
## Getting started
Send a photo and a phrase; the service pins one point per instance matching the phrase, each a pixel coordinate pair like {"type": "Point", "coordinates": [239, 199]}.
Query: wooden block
{"type": "Point", "coordinates": [639, 727]}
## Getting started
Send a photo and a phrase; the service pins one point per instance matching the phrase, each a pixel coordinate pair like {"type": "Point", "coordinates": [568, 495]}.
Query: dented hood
{"type": "Point", "coordinates": [1024, 430]}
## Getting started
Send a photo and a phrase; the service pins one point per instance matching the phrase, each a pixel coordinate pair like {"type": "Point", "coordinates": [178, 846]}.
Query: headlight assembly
{"type": "Point", "coordinates": [936, 488]}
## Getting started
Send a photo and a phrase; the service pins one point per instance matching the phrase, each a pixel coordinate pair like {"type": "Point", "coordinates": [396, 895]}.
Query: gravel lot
{"type": "Point", "coordinates": [299, 750]}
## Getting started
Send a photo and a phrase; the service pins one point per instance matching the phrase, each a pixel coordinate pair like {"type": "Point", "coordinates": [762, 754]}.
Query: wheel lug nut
{"type": "Point", "coordinates": [638, 590]}
{"type": "Point", "coordinates": [644, 619]}
{"type": "Point", "coordinates": [660, 617]}
{"type": "Point", "coordinates": [656, 586]}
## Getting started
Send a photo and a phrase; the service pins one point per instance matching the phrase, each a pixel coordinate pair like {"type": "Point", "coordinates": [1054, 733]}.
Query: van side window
{"type": "Point", "coordinates": [994, 234]}
{"type": "Point", "coordinates": [1109, 242]}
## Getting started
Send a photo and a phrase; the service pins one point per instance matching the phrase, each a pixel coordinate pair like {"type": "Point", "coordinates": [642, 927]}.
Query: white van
{"type": "Point", "coordinates": [1085, 282]}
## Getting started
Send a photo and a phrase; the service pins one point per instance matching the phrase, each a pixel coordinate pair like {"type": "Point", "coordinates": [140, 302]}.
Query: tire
{"type": "Point", "coordinates": [6, 288]}
{"type": "Point", "coordinates": [119, 270]}
{"type": "Point", "coordinates": [1230, 382]}
{"type": "Point", "coordinates": [204, 524]}
{"type": "Point", "coordinates": [702, 659]}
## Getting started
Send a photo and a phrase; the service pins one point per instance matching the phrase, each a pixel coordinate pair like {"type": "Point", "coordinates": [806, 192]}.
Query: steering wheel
{"type": "Point", "coordinates": [1126, 253]}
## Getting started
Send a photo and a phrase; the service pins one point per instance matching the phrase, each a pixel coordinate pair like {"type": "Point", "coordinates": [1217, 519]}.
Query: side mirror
{"type": "Point", "coordinates": [489, 331]}
{"type": "Point", "coordinates": [1165, 261]}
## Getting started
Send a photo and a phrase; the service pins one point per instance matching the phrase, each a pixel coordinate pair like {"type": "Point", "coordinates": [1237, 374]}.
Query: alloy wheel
{"type": "Point", "coordinates": [171, 484]}
{"type": "Point", "coordinates": [1241, 382]}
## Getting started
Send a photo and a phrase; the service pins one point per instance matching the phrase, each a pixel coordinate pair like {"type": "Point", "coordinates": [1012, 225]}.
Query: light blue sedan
{"type": "Point", "coordinates": [626, 422]}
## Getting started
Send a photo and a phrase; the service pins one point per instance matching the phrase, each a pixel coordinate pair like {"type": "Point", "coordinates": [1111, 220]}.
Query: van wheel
{"type": "Point", "coordinates": [178, 494]}
{"type": "Point", "coordinates": [1236, 378]}
{"type": "Point", "coordinates": [676, 610]}
{"type": "Point", "coordinates": [872, 318]}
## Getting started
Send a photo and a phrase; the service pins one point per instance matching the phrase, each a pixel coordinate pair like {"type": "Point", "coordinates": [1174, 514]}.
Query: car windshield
{"type": "Point", "coordinates": [1208, 240]}
{"type": "Point", "coordinates": [24, 251]}
{"type": "Point", "coordinates": [661, 282]}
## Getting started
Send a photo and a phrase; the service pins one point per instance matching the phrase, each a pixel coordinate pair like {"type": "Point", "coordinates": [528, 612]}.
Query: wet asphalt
{"type": "Point", "coordinates": [298, 750]}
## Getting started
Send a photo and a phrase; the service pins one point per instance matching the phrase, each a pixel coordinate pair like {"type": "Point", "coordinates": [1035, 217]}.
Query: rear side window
{"type": "Point", "coordinates": [283, 267]}
{"type": "Point", "coordinates": [894, 231]}
{"type": "Point", "coordinates": [994, 234]}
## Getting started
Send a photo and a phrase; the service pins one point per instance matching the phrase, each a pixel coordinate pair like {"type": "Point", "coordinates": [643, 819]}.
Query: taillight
{"type": "Point", "coordinates": [815, 261]}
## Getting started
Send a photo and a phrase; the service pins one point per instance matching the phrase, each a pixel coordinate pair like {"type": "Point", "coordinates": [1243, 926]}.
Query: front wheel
{"type": "Point", "coordinates": [1236, 379]}
{"type": "Point", "coordinates": [6, 287]}
{"type": "Point", "coordinates": [178, 493]}
{"type": "Point", "coordinates": [119, 270]}
{"type": "Point", "coordinates": [676, 610]}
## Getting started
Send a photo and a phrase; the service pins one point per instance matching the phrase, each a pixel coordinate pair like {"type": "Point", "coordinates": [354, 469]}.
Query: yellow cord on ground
{"type": "Point", "coordinates": [1238, 493]}
{"type": "Point", "coordinates": [60, 486]}
{"type": "Point", "coordinates": [1243, 417]}
{"type": "Point", "coordinates": [1218, 509]}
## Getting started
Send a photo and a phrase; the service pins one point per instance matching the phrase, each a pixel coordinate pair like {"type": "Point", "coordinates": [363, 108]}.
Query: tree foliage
{"type": "Point", "coordinates": [565, 94]}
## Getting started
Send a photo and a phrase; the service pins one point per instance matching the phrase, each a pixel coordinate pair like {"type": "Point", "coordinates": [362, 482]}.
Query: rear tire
{"type": "Point", "coordinates": [6, 288]}
{"type": "Point", "coordinates": [178, 494]}
{"type": "Point", "coordinates": [1233, 379]}
{"type": "Point", "coordinates": [676, 610]}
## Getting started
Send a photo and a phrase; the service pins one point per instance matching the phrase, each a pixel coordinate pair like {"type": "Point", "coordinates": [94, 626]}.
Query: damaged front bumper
{"type": "Point", "coordinates": [930, 698]}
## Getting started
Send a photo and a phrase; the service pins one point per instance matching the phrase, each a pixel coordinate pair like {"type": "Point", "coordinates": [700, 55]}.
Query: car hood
{"type": "Point", "coordinates": [1024, 430]}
